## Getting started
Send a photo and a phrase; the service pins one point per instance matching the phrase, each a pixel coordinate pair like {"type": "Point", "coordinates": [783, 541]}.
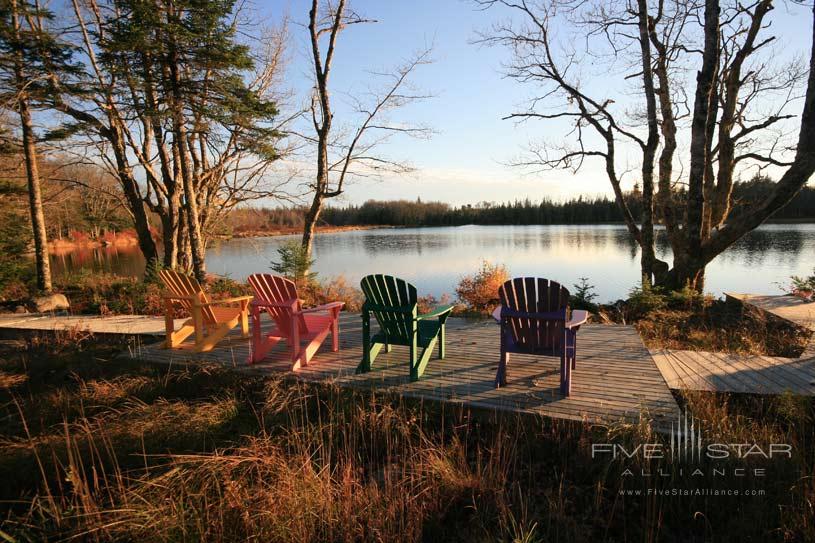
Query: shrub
{"type": "Point", "coordinates": [480, 291]}
{"type": "Point", "coordinates": [803, 286]}
{"type": "Point", "coordinates": [584, 295]}
{"type": "Point", "coordinates": [687, 298]}
{"type": "Point", "coordinates": [428, 303]}
{"type": "Point", "coordinates": [336, 289]}
{"type": "Point", "coordinates": [644, 300]}
{"type": "Point", "coordinates": [15, 270]}
{"type": "Point", "coordinates": [78, 237]}
{"type": "Point", "coordinates": [226, 287]}
{"type": "Point", "coordinates": [295, 263]}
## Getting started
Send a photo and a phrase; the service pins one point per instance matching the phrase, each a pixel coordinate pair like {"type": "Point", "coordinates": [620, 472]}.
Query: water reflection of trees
{"type": "Point", "coordinates": [126, 261]}
{"type": "Point", "coordinates": [783, 244]}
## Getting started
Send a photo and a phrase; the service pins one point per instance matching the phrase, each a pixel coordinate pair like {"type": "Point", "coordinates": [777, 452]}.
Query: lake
{"type": "Point", "coordinates": [434, 259]}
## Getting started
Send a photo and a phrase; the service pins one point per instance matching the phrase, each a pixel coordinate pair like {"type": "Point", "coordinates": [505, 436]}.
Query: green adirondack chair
{"type": "Point", "coordinates": [393, 303]}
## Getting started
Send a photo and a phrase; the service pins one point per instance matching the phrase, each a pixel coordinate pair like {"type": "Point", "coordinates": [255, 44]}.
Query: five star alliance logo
{"type": "Point", "coordinates": [687, 446]}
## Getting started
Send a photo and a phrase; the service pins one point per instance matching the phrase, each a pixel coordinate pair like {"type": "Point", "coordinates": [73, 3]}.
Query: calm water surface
{"type": "Point", "coordinates": [434, 259]}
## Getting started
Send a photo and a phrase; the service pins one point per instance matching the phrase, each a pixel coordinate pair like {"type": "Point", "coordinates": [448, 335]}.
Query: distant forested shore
{"type": "Point", "coordinates": [579, 210]}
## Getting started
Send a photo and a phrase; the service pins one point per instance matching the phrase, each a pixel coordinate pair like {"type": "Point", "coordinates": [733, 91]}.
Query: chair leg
{"type": "Point", "coordinates": [369, 351]}
{"type": "Point", "coordinates": [365, 363]}
{"type": "Point", "coordinates": [245, 318]}
{"type": "Point", "coordinates": [566, 364]}
{"type": "Point", "coordinates": [414, 365]}
{"type": "Point", "coordinates": [335, 332]}
{"type": "Point", "coordinates": [198, 322]}
{"type": "Point", "coordinates": [169, 324]}
{"type": "Point", "coordinates": [294, 343]}
{"type": "Point", "coordinates": [501, 374]}
{"type": "Point", "coordinates": [254, 356]}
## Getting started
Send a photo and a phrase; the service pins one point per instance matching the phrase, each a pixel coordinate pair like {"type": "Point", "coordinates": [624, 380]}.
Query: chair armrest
{"type": "Point", "coordinates": [324, 307]}
{"type": "Point", "coordinates": [179, 297]}
{"type": "Point", "coordinates": [579, 316]}
{"type": "Point", "coordinates": [289, 304]}
{"type": "Point", "coordinates": [441, 311]}
{"type": "Point", "coordinates": [496, 314]}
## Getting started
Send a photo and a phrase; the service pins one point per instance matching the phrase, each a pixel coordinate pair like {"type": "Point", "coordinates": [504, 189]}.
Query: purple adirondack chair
{"type": "Point", "coordinates": [534, 318]}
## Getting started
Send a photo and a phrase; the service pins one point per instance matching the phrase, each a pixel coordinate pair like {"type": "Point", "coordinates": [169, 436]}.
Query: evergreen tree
{"type": "Point", "coordinates": [183, 69]}
{"type": "Point", "coordinates": [31, 57]}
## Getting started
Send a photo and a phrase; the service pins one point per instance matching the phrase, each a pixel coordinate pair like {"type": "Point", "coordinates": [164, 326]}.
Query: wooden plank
{"type": "Point", "coordinates": [616, 378]}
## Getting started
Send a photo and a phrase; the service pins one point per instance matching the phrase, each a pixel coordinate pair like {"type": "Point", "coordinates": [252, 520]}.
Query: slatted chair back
{"type": "Point", "coordinates": [393, 303]}
{"type": "Point", "coordinates": [547, 301]}
{"type": "Point", "coordinates": [186, 286]}
{"type": "Point", "coordinates": [275, 289]}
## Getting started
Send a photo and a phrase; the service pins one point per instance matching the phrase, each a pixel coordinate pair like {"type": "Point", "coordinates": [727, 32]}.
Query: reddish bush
{"type": "Point", "coordinates": [336, 289]}
{"type": "Point", "coordinates": [480, 290]}
{"type": "Point", "coordinates": [78, 237]}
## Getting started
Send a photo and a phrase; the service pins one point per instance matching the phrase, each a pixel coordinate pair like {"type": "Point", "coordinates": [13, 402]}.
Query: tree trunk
{"type": "Point", "coordinates": [312, 216]}
{"type": "Point", "coordinates": [686, 272]}
{"type": "Point", "coordinates": [169, 236]}
{"type": "Point", "coordinates": [190, 194]}
{"type": "Point", "coordinates": [184, 259]}
{"type": "Point", "coordinates": [141, 220]}
{"type": "Point", "coordinates": [35, 199]}
{"type": "Point", "coordinates": [700, 130]}
{"type": "Point", "coordinates": [648, 259]}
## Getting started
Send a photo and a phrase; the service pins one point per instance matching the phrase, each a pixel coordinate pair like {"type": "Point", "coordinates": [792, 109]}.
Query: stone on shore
{"type": "Point", "coordinates": [50, 302]}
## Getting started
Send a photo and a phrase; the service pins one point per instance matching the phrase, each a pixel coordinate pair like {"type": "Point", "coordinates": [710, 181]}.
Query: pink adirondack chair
{"type": "Point", "coordinates": [277, 296]}
{"type": "Point", "coordinates": [534, 318]}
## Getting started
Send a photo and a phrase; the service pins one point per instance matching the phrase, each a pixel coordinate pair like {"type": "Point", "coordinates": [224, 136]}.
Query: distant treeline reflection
{"type": "Point", "coordinates": [580, 210]}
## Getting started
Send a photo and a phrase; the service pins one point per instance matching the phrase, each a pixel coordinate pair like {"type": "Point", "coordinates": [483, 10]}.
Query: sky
{"type": "Point", "coordinates": [466, 160]}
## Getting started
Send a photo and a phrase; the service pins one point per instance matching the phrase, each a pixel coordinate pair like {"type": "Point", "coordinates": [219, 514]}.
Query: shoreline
{"type": "Point", "coordinates": [298, 230]}
{"type": "Point", "coordinates": [64, 245]}
{"type": "Point", "coordinates": [292, 231]}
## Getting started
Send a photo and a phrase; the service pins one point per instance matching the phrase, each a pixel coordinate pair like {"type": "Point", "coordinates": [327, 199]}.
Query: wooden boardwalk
{"type": "Point", "coordinates": [131, 325]}
{"type": "Point", "coordinates": [720, 372]}
{"type": "Point", "coordinates": [616, 379]}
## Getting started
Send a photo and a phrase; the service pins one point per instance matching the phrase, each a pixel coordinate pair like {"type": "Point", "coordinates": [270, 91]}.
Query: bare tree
{"type": "Point", "coordinates": [739, 117]}
{"type": "Point", "coordinates": [341, 155]}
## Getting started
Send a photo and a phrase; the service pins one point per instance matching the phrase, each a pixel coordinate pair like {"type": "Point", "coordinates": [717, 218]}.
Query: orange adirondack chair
{"type": "Point", "coordinates": [210, 321]}
{"type": "Point", "coordinates": [277, 296]}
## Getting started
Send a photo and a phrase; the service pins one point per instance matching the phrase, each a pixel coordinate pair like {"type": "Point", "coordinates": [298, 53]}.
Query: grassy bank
{"type": "Point", "coordinates": [111, 450]}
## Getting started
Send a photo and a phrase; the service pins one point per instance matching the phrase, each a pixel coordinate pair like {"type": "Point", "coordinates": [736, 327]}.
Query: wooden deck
{"type": "Point", "coordinates": [719, 372]}
{"type": "Point", "coordinates": [131, 325]}
{"type": "Point", "coordinates": [616, 379]}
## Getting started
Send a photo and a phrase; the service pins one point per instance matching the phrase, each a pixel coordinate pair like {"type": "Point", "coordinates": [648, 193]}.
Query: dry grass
{"type": "Point", "coordinates": [721, 327]}
{"type": "Point", "coordinates": [106, 450]}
